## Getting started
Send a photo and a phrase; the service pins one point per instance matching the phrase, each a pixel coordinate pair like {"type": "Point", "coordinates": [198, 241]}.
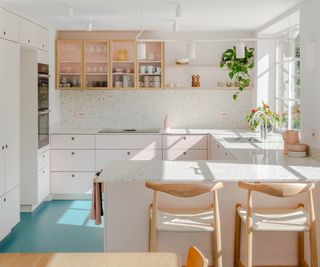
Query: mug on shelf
{"type": "Point", "coordinates": [150, 69]}
{"type": "Point", "coordinates": [143, 69]}
{"type": "Point", "coordinates": [117, 84]}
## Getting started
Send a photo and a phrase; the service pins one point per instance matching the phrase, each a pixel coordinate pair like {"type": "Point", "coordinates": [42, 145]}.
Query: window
{"type": "Point", "coordinates": [288, 78]}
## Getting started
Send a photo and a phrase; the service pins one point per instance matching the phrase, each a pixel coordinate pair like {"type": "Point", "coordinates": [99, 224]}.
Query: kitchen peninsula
{"type": "Point", "coordinates": [126, 224]}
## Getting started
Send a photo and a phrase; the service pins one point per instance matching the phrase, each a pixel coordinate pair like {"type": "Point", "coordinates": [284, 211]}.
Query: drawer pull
{"type": "Point", "coordinates": [6, 146]}
{"type": "Point", "coordinates": [72, 175]}
{"type": "Point", "coordinates": [2, 147]}
{"type": "Point", "coordinates": [128, 153]}
{"type": "Point", "coordinates": [72, 138]}
{"type": "Point", "coordinates": [72, 153]}
{"type": "Point", "coordinates": [184, 153]}
{"type": "Point", "coordinates": [4, 199]}
{"type": "Point", "coordinates": [29, 41]}
{"type": "Point", "coordinates": [184, 138]}
{"type": "Point", "coordinates": [4, 33]}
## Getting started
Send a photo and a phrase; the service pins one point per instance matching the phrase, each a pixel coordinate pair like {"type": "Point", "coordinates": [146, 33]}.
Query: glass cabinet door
{"type": "Point", "coordinates": [151, 68]}
{"type": "Point", "coordinates": [69, 64]}
{"type": "Point", "coordinates": [96, 56]}
{"type": "Point", "coordinates": [123, 64]}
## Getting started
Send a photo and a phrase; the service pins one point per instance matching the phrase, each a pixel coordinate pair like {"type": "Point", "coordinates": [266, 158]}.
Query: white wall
{"type": "Point", "coordinates": [266, 73]}
{"type": "Point", "coordinates": [310, 78]}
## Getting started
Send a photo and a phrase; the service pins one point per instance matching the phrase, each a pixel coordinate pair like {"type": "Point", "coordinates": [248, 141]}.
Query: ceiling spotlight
{"type": "Point", "coordinates": [70, 11]}
{"type": "Point", "coordinates": [175, 26]}
{"type": "Point", "coordinates": [178, 10]}
{"type": "Point", "coordinates": [90, 27]}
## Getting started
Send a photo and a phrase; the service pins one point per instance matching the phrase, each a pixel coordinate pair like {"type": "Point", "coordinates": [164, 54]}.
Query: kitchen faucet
{"type": "Point", "coordinates": [264, 125]}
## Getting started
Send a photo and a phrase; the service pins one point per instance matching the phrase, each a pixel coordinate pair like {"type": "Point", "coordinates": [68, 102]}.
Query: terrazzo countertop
{"type": "Point", "coordinates": [261, 161]}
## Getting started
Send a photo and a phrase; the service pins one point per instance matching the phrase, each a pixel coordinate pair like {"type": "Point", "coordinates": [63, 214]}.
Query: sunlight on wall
{"type": "Point", "coordinates": [263, 79]}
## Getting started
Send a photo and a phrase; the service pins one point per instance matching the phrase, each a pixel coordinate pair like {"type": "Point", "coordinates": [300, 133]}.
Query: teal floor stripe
{"type": "Point", "coordinates": [56, 226]}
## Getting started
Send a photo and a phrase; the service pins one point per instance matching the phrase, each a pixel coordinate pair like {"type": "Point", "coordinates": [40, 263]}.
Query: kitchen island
{"type": "Point", "coordinates": [244, 157]}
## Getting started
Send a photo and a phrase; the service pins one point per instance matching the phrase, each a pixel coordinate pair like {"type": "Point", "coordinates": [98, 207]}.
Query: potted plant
{"type": "Point", "coordinates": [263, 117]}
{"type": "Point", "coordinates": [238, 67]}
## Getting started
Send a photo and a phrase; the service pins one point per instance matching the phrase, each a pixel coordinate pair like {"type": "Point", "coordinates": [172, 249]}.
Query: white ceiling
{"type": "Point", "coordinates": [198, 15]}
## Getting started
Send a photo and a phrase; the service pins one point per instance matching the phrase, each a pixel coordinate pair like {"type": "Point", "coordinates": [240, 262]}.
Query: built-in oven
{"type": "Point", "coordinates": [43, 105]}
{"type": "Point", "coordinates": [43, 128]}
{"type": "Point", "coordinates": [43, 86]}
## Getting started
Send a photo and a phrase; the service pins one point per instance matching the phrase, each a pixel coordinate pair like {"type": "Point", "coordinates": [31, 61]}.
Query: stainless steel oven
{"type": "Point", "coordinates": [43, 128]}
{"type": "Point", "coordinates": [43, 86]}
{"type": "Point", "coordinates": [43, 105]}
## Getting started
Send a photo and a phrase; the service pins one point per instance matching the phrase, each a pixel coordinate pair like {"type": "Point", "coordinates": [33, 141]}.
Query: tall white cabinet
{"type": "Point", "coordinates": [9, 136]}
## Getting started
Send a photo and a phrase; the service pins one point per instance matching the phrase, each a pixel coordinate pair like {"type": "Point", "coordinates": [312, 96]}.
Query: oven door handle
{"type": "Point", "coordinates": [41, 75]}
{"type": "Point", "coordinates": [44, 112]}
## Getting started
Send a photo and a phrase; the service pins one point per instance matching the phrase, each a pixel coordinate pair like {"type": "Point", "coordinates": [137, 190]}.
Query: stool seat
{"type": "Point", "coordinates": [277, 220]}
{"type": "Point", "coordinates": [185, 220]}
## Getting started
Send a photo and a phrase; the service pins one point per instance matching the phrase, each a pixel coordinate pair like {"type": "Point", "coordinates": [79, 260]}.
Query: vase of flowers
{"type": "Point", "coordinates": [264, 118]}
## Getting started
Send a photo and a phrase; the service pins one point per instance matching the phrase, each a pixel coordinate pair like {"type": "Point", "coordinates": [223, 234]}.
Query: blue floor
{"type": "Point", "coordinates": [56, 226]}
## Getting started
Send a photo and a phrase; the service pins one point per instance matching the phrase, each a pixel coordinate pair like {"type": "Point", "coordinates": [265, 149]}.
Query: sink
{"type": "Point", "coordinates": [242, 140]}
{"type": "Point", "coordinates": [129, 131]}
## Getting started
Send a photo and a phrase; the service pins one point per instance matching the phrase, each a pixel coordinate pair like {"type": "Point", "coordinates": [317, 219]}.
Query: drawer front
{"type": "Point", "coordinates": [185, 142]}
{"type": "Point", "coordinates": [71, 182]}
{"type": "Point", "coordinates": [129, 141]}
{"type": "Point", "coordinates": [72, 141]}
{"type": "Point", "coordinates": [43, 160]}
{"type": "Point", "coordinates": [43, 184]}
{"type": "Point", "coordinates": [180, 154]}
{"type": "Point", "coordinates": [102, 156]}
{"type": "Point", "coordinates": [72, 160]}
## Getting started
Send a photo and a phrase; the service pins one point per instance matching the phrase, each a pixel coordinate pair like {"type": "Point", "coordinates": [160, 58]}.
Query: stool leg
{"type": "Point", "coordinates": [312, 232]}
{"type": "Point", "coordinates": [214, 248]}
{"type": "Point", "coordinates": [249, 232]}
{"type": "Point", "coordinates": [237, 238]}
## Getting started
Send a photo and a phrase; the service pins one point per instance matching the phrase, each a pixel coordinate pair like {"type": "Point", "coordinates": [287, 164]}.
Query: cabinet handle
{"type": "Point", "coordinates": [6, 146]}
{"type": "Point", "coordinates": [28, 41]}
{"type": "Point", "coordinates": [43, 156]}
{"type": "Point", "coordinates": [72, 175]}
{"type": "Point", "coordinates": [184, 153]}
{"type": "Point", "coordinates": [4, 33]}
{"type": "Point", "coordinates": [4, 199]}
{"type": "Point", "coordinates": [72, 138]}
{"type": "Point", "coordinates": [2, 147]}
{"type": "Point", "coordinates": [226, 153]}
{"type": "Point", "coordinates": [184, 138]}
{"type": "Point", "coordinates": [72, 153]}
{"type": "Point", "coordinates": [42, 172]}
{"type": "Point", "coordinates": [43, 45]}
{"type": "Point", "coordinates": [128, 153]}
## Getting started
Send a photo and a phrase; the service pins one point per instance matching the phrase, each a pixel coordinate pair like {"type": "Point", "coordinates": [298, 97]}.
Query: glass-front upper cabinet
{"type": "Point", "coordinates": [69, 64]}
{"type": "Point", "coordinates": [151, 67]}
{"type": "Point", "coordinates": [96, 58]}
{"type": "Point", "coordinates": [123, 64]}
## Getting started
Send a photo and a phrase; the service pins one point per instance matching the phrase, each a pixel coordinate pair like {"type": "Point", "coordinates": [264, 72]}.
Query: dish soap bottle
{"type": "Point", "coordinates": [166, 126]}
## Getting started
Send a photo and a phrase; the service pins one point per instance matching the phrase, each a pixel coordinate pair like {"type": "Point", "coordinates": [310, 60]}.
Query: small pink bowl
{"type": "Point", "coordinates": [298, 147]}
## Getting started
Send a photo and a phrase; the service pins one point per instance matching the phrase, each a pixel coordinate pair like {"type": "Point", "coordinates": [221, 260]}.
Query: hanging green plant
{"type": "Point", "coordinates": [238, 68]}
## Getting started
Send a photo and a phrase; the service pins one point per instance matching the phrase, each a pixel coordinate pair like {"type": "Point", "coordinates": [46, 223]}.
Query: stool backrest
{"type": "Point", "coordinates": [196, 258]}
{"type": "Point", "coordinates": [278, 189]}
{"type": "Point", "coordinates": [184, 190]}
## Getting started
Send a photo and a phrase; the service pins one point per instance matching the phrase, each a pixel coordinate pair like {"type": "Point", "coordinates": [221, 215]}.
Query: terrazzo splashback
{"type": "Point", "coordinates": [147, 109]}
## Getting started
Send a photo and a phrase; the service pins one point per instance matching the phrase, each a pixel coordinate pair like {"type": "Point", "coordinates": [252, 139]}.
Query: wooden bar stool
{"type": "Point", "coordinates": [186, 220]}
{"type": "Point", "coordinates": [276, 220]}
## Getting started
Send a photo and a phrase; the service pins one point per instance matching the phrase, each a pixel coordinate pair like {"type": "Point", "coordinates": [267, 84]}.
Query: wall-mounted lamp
{"type": "Point", "coordinates": [191, 49]}
{"type": "Point", "coordinates": [142, 51]}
